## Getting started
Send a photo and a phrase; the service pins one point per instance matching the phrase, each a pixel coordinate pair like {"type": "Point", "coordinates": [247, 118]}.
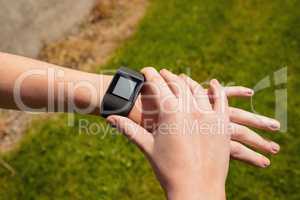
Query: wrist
{"type": "Point", "coordinates": [206, 188]}
{"type": "Point", "coordinates": [83, 96]}
{"type": "Point", "coordinates": [202, 192]}
{"type": "Point", "coordinates": [91, 97]}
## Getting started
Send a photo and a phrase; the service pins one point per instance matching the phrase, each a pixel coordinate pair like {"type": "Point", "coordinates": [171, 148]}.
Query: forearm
{"type": "Point", "coordinates": [28, 84]}
{"type": "Point", "coordinates": [37, 83]}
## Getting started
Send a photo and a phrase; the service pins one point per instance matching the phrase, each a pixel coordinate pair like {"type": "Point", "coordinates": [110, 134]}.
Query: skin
{"type": "Point", "coordinates": [34, 94]}
{"type": "Point", "coordinates": [188, 164]}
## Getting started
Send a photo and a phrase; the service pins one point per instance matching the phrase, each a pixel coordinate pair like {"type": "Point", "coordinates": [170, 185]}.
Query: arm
{"type": "Point", "coordinates": [36, 84]}
{"type": "Point", "coordinates": [34, 94]}
{"type": "Point", "coordinates": [48, 86]}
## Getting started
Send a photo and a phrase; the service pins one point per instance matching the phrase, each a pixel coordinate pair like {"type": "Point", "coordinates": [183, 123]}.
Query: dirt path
{"type": "Point", "coordinates": [110, 23]}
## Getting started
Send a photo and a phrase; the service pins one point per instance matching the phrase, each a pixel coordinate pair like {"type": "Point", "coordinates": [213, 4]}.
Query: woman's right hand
{"type": "Point", "coordinates": [244, 142]}
{"type": "Point", "coordinates": [189, 144]}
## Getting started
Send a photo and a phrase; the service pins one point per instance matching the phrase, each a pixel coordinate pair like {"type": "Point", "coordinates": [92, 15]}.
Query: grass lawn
{"type": "Point", "coordinates": [235, 41]}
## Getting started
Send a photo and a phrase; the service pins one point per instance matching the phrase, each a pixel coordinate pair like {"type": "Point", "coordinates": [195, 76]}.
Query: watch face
{"type": "Point", "coordinates": [124, 87]}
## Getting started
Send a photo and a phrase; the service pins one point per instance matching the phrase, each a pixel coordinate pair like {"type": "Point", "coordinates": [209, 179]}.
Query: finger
{"type": "Point", "coordinates": [176, 84]}
{"type": "Point", "coordinates": [246, 136]}
{"type": "Point", "coordinates": [238, 91]}
{"type": "Point", "coordinates": [198, 92]}
{"type": "Point", "coordinates": [243, 153]}
{"type": "Point", "coordinates": [250, 119]}
{"type": "Point", "coordinates": [233, 91]}
{"type": "Point", "coordinates": [219, 97]}
{"type": "Point", "coordinates": [134, 132]}
{"type": "Point", "coordinates": [155, 85]}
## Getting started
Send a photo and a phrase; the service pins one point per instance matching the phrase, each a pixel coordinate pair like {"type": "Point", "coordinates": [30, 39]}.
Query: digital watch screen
{"type": "Point", "coordinates": [122, 92]}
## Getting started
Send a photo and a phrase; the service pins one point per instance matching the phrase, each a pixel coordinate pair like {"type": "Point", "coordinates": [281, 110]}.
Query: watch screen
{"type": "Point", "coordinates": [124, 88]}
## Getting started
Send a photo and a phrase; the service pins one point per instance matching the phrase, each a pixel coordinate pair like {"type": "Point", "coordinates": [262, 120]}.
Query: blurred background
{"type": "Point", "coordinates": [239, 42]}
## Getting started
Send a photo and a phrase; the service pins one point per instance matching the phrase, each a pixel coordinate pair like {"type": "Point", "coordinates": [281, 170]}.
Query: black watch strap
{"type": "Point", "coordinates": [122, 92]}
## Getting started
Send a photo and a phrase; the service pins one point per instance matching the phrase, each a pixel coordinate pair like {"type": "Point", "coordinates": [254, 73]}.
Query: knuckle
{"type": "Point", "coordinates": [236, 150]}
{"type": "Point", "coordinates": [197, 89]}
{"type": "Point", "coordinates": [236, 132]}
{"type": "Point", "coordinates": [121, 122]}
{"type": "Point", "coordinates": [148, 68]}
{"type": "Point", "coordinates": [265, 144]}
{"type": "Point", "coordinates": [232, 111]}
{"type": "Point", "coordinates": [155, 79]}
{"type": "Point", "coordinates": [182, 75]}
{"type": "Point", "coordinates": [164, 71]}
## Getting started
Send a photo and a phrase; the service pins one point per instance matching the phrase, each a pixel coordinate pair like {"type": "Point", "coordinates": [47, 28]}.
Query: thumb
{"type": "Point", "coordinates": [134, 132]}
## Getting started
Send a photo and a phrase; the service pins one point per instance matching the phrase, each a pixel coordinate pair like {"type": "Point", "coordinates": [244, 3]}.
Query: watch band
{"type": "Point", "coordinates": [122, 92]}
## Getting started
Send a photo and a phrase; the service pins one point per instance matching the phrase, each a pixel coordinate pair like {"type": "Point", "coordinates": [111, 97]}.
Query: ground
{"type": "Point", "coordinates": [235, 41]}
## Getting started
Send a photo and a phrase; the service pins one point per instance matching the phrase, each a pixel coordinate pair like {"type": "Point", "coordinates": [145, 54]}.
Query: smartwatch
{"type": "Point", "coordinates": [122, 92]}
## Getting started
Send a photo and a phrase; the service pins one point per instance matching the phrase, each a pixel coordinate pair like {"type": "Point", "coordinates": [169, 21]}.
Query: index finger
{"type": "Point", "coordinates": [219, 97]}
{"type": "Point", "coordinates": [155, 85]}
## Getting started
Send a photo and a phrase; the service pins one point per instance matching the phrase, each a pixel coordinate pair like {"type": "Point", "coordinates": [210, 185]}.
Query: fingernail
{"type": "Point", "coordinates": [275, 125]}
{"type": "Point", "coordinates": [111, 121]}
{"type": "Point", "coordinates": [274, 147]}
{"type": "Point", "coordinates": [250, 92]}
{"type": "Point", "coordinates": [266, 163]}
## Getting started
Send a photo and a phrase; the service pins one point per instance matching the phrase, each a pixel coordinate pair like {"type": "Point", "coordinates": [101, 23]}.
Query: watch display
{"type": "Point", "coordinates": [122, 92]}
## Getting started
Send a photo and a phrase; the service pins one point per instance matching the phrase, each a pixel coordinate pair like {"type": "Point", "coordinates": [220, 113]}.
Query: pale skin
{"type": "Point", "coordinates": [189, 164]}
{"type": "Point", "coordinates": [34, 94]}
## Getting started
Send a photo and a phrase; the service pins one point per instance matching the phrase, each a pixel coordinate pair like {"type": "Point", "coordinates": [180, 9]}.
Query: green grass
{"type": "Point", "coordinates": [235, 41]}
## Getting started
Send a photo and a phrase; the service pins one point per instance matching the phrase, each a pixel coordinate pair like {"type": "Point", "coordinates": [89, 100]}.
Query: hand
{"type": "Point", "coordinates": [242, 136]}
{"type": "Point", "coordinates": [240, 133]}
{"type": "Point", "coordinates": [188, 147]}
